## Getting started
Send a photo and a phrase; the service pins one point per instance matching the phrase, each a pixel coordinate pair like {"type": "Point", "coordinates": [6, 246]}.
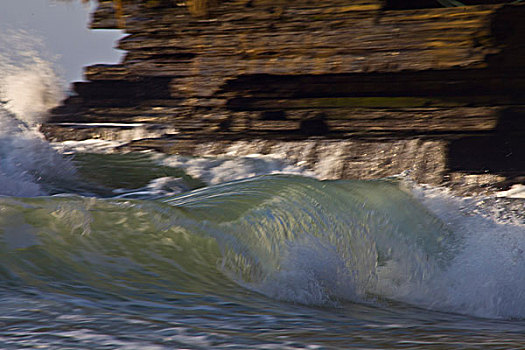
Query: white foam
{"type": "Point", "coordinates": [87, 146]}
{"type": "Point", "coordinates": [312, 272]}
{"type": "Point", "coordinates": [479, 270]}
{"type": "Point", "coordinates": [516, 191]}
{"type": "Point", "coordinates": [107, 125]}
{"type": "Point", "coordinates": [223, 169]}
{"type": "Point", "coordinates": [159, 187]}
{"type": "Point", "coordinates": [29, 85]}
{"type": "Point", "coordinates": [486, 277]}
{"type": "Point", "coordinates": [27, 160]}
{"type": "Point", "coordinates": [28, 88]}
{"type": "Point", "coordinates": [118, 133]}
{"type": "Point", "coordinates": [30, 91]}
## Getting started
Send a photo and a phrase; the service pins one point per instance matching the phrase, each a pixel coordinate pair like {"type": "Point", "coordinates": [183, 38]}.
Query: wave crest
{"type": "Point", "coordinates": [29, 87]}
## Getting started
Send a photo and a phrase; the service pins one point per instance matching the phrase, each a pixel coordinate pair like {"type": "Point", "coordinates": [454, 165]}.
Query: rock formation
{"type": "Point", "coordinates": [386, 86]}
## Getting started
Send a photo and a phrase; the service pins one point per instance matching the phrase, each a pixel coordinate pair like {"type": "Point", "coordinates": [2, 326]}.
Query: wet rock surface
{"type": "Point", "coordinates": [377, 87]}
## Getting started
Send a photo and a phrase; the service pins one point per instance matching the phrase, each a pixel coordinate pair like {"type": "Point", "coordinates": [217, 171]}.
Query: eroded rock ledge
{"type": "Point", "coordinates": [378, 86]}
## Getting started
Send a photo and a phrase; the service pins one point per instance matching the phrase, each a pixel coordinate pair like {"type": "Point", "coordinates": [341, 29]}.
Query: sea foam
{"type": "Point", "coordinates": [29, 87]}
{"type": "Point", "coordinates": [215, 170]}
{"type": "Point", "coordinates": [322, 243]}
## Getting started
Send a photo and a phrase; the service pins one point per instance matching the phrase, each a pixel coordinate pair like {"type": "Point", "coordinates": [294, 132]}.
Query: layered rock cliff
{"type": "Point", "coordinates": [377, 87]}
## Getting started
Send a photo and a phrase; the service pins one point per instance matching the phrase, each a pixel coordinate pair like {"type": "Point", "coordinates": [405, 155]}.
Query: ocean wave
{"type": "Point", "coordinates": [290, 238]}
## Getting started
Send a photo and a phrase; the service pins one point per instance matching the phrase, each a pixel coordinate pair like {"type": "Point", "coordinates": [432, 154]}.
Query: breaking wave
{"type": "Point", "coordinates": [287, 237]}
{"type": "Point", "coordinates": [29, 87]}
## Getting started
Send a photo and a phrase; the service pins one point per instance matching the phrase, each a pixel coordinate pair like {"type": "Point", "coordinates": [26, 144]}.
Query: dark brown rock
{"type": "Point", "coordinates": [377, 77]}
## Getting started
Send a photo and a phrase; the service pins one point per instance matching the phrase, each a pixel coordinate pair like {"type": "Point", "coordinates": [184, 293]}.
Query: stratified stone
{"type": "Point", "coordinates": [395, 85]}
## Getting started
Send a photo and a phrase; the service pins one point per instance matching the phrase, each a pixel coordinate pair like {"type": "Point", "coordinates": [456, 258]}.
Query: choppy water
{"type": "Point", "coordinates": [150, 251]}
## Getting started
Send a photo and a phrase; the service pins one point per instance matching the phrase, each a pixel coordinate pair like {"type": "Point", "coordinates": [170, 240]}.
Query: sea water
{"type": "Point", "coordinates": [142, 250]}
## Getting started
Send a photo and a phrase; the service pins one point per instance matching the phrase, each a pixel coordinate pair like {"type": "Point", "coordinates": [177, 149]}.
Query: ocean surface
{"type": "Point", "coordinates": [148, 251]}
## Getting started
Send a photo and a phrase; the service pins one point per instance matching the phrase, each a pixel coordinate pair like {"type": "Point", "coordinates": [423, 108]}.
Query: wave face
{"type": "Point", "coordinates": [289, 238]}
{"type": "Point", "coordinates": [301, 240]}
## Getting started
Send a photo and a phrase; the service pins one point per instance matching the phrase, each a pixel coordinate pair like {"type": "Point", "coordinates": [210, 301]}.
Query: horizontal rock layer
{"type": "Point", "coordinates": [368, 73]}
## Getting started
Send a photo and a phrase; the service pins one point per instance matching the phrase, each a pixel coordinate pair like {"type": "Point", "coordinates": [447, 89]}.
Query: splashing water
{"type": "Point", "coordinates": [223, 169]}
{"type": "Point", "coordinates": [29, 87]}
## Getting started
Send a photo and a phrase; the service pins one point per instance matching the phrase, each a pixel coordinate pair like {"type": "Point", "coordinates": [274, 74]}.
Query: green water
{"type": "Point", "coordinates": [275, 261]}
